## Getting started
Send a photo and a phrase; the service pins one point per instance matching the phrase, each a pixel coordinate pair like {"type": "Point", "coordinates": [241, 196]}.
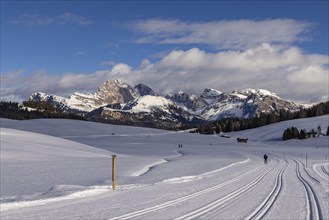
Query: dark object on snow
{"type": "Point", "coordinates": [242, 140]}
{"type": "Point", "coordinates": [265, 158]}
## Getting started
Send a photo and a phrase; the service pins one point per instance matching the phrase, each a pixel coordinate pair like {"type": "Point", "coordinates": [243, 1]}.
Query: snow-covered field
{"type": "Point", "coordinates": [61, 169]}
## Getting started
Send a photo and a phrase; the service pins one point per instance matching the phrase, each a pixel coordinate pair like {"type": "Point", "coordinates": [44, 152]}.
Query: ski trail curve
{"type": "Point", "coordinates": [148, 167]}
{"type": "Point", "coordinates": [313, 207]}
{"type": "Point", "coordinates": [198, 213]}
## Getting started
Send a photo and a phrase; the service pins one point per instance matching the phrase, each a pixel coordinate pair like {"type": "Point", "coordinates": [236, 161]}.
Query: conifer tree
{"type": "Point", "coordinates": [285, 135]}
{"type": "Point", "coordinates": [318, 131]}
{"type": "Point", "coordinates": [295, 132]}
{"type": "Point", "coordinates": [218, 129]}
{"type": "Point", "coordinates": [302, 134]}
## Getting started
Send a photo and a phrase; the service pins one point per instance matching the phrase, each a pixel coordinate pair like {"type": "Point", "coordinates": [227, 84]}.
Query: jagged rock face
{"type": "Point", "coordinates": [258, 103]}
{"type": "Point", "coordinates": [56, 101]}
{"type": "Point", "coordinates": [110, 92]}
{"type": "Point", "coordinates": [191, 102]}
{"type": "Point", "coordinates": [166, 116]}
{"type": "Point", "coordinates": [115, 92]}
{"type": "Point", "coordinates": [144, 90]}
{"type": "Point", "coordinates": [142, 119]}
{"type": "Point", "coordinates": [245, 103]}
{"type": "Point", "coordinates": [211, 96]}
{"type": "Point", "coordinates": [157, 111]}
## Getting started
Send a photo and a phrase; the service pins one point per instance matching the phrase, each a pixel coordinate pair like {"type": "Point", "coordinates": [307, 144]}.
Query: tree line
{"type": "Point", "coordinates": [238, 124]}
{"type": "Point", "coordinates": [293, 133]}
{"type": "Point", "coordinates": [33, 110]}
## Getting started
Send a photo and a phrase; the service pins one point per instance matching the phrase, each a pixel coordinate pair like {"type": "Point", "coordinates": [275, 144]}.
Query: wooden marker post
{"type": "Point", "coordinates": [113, 171]}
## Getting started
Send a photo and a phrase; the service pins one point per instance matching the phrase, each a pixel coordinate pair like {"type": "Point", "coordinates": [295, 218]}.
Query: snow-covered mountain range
{"type": "Point", "coordinates": [118, 102]}
{"type": "Point", "coordinates": [247, 103]}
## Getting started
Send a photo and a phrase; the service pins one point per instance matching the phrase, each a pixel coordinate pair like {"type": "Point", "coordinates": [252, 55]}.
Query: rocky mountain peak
{"type": "Point", "coordinates": [212, 96]}
{"type": "Point", "coordinates": [116, 91]}
{"type": "Point", "coordinates": [38, 96]}
{"type": "Point", "coordinates": [188, 101]}
{"type": "Point", "coordinates": [144, 90]}
{"type": "Point", "coordinates": [207, 93]}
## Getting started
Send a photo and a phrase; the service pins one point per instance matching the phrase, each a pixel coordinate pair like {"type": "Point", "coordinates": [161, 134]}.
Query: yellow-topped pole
{"type": "Point", "coordinates": [113, 171]}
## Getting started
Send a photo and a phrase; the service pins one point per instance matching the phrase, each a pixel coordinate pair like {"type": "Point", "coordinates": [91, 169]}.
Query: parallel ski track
{"type": "Point", "coordinates": [313, 178]}
{"type": "Point", "coordinates": [313, 207]}
{"type": "Point", "coordinates": [190, 196]}
{"type": "Point", "coordinates": [324, 170]}
{"type": "Point", "coordinates": [266, 205]}
{"type": "Point", "coordinates": [204, 210]}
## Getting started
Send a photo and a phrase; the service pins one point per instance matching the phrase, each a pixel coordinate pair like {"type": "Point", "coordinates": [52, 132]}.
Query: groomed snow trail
{"type": "Point", "coordinates": [210, 210]}
{"type": "Point", "coordinates": [264, 207]}
{"type": "Point", "coordinates": [313, 207]}
{"type": "Point", "coordinates": [182, 199]}
{"type": "Point", "coordinates": [272, 179]}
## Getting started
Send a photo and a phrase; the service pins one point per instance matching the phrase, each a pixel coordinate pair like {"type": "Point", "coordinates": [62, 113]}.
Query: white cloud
{"type": "Point", "coordinates": [107, 63]}
{"type": "Point", "coordinates": [42, 20]}
{"type": "Point", "coordinates": [80, 53]}
{"type": "Point", "coordinates": [32, 20]}
{"type": "Point", "coordinates": [259, 58]}
{"type": "Point", "coordinates": [120, 69]}
{"type": "Point", "coordinates": [222, 34]}
{"type": "Point", "coordinates": [289, 72]}
{"type": "Point", "coordinates": [69, 18]}
{"type": "Point", "coordinates": [112, 45]}
{"type": "Point", "coordinates": [21, 84]}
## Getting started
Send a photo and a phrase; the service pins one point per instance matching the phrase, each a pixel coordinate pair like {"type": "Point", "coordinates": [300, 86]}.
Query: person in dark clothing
{"type": "Point", "coordinates": [265, 158]}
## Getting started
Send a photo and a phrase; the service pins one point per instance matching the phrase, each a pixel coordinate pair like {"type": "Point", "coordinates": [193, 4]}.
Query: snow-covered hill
{"type": "Point", "coordinates": [61, 169]}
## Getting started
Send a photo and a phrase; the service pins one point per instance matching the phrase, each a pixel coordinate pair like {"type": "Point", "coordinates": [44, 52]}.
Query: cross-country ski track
{"type": "Point", "coordinates": [213, 209]}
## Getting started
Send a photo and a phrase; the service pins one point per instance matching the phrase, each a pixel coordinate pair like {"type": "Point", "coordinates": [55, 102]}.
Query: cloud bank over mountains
{"type": "Point", "coordinates": [246, 54]}
{"type": "Point", "coordinates": [286, 71]}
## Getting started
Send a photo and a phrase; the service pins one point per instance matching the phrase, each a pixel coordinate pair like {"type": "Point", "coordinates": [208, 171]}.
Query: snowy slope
{"type": "Point", "coordinates": [274, 132]}
{"type": "Point", "coordinates": [147, 103]}
{"type": "Point", "coordinates": [60, 169]}
{"type": "Point", "coordinates": [20, 148]}
{"type": "Point", "coordinates": [77, 102]}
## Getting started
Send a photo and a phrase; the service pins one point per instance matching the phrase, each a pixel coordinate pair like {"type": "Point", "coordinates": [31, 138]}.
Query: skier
{"type": "Point", "coordinates": [265, 159]}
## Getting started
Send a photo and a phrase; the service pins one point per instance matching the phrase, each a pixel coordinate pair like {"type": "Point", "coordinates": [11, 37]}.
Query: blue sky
{"type": "Point", "coordinates": [65, 46]}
